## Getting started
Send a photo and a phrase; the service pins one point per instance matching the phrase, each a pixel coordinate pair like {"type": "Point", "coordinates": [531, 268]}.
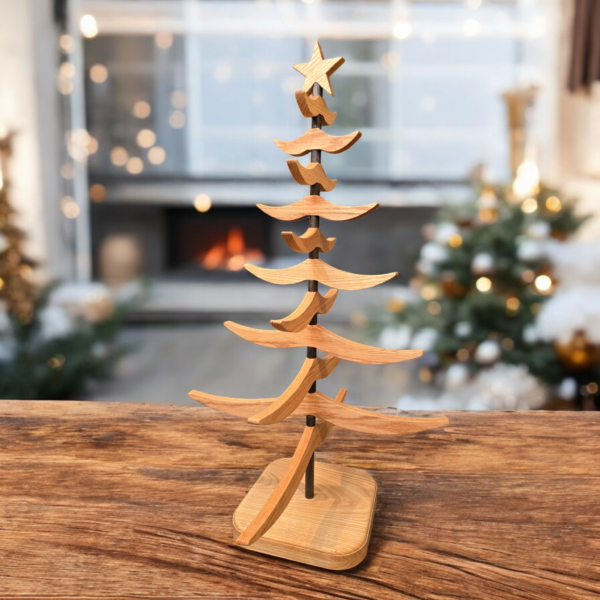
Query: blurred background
{"type": "Point", "coordinates": [136, 137]}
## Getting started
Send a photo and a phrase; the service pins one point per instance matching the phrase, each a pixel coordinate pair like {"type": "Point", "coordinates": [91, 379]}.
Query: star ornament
{"type": "Point", "coordinates": [318, 69]}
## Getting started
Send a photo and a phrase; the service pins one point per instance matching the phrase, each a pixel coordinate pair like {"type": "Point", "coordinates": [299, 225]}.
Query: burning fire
{"type": "Point", "coordinates": [230, 255]}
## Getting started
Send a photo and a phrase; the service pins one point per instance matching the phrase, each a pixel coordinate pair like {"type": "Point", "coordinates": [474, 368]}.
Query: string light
{"type": "Point", "coordinates": [141, 109]}
{"type": "Point", "coordinates": [88, 26]}
{"type": "Point", "coordinates": [395, 305]}
{"type": "Point", "coordinates": [528, 276]}
{"type": "Point", "coordinates": [429, 291]}
{"type": "Point", "coordinates": [119, 156]}
{"type": "Point", "coordinates": [425, 375]}
{"type": "Point", "coordinates": [97, 192]}
{"type": "Point", "coordinates": [56, 361]}
{"type": "Point", "coordinates": [178, 99]}
{"type": "Point", "coordinates": [484, 284]}
{"type": "Point", "coordinates": [471, 27]}
{"type": "Point", "coordinates": [66, 43]}
{"type": "Point", "coordinates": [553, 204]}
{"type": "Point", "coordinates": [146, 138]}
{"type": "Point", "coordinates": [527, 181]}
{"type": "Point", "coordinates": [529, 205]}
{"type": "Point", "coordinates": [513, 303]}
{"type": "Point", "coordinates": [67, 171]}
{"type": "Point", "coordinates": [543, 283]}
{"type": "Point", "coordinates": [135, 165]}
{"type": "Point", "coordinates": [463, 355]}
{"type": "Point", "coordinates": [177, 119]}
{"type": "Point", "coordinates": [67, 70]}
{"type": "Point", "coordinates": [455, 240]}
{"type": "Point", "coordinates": [69, 207]}
{"type": "Point", "coordinates": [592, 387]}
{"type": "Point", "coordinates": [163, 39]}
{"type": "Point", "coordinates": [98, 73]}
{"type": "Point", "coordinates": [434, 308]}
{"type": "Point", "coordinates": [157, 155]}
{"type": "Point", "coordinates": [202, 203]}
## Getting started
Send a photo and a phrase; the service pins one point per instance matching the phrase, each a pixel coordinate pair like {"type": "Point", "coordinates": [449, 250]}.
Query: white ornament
{"type": "Point", "coordinates": [567, 390]}
{"type": "Point", "coordinates": [482, 263]}
{"type": "Point", "coordinates": [444, 231]}
{"type": "Point", "coordinates": [540, 230]}
{"type": "Point", "coordinates": [55, 323]}
{"type": "Point", "coordinates": [463, 329]}
{"type": "Point", "coordinates": [529, 250]}
{"type": "Point", "coordinates": [425, 268]}
{"type": "Point", "coordinates": [569, 267]}
{"type": "Point", "coordinates": [530, 334]}
{"type": "Point", "coordinates": [487, 352]}
{"type": "Point", "coordinates": [424, 339]}
{"type": "Point", "coordinates": [395, 338]}
{"type": "Point", "coordinates": [456, 376]}
{"type": "Point", "coordinates": [433, 253]}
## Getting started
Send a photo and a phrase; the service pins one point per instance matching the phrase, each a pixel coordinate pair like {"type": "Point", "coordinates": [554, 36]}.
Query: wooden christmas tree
{"type": "Point", "coordinates": [317, 514]}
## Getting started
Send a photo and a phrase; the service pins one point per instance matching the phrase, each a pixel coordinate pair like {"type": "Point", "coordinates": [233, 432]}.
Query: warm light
{"type": "Point", "coordinates": [135, 165]}
{"type": "Point", "coordinates": [527, 181]}
{"type": "Point", "coordinates": [434, 308]}
{"type": "Point", "coordinates": [425, 375]}
{"type": "Point", "coordinates": [543, 283]}
{"type": "Point", "coordinates": [88, 26]}
{"type": "Point", "coordinates": [214, 257]}
{"type": "Point", "coordinates": [1, 180]}
{"type": "Point", "coordinates": [529, 205]}
{"type": "Point", "coordinates": [484, 284]}
{"type": "Point", "coordinates": [178, 99]}
{"type": "Point", "coordinates": [119, 156]}
{"type": "Point", "coordinates": [235, 241]}
{"type": "Point", "coordinates": [66, 70]}
{"type": "Point", "coordinates": [67, 171]}
{"type": "Point", "coordinates": [146, 138]}
{"type": "Point", "coordinates": [98, 73]}
{"type": "Point", "coordinates": [202, 203]}
{"type": "Point", "coordinates": [157, 155]}
{"type": "Point", "coordinates": [402, 30]}
{"type": "Point", "coordinates": [177, 119]}
{"type": "Point", "coordinates": [455, 240]}
{"type": "Point", "coordinates": [69, 207]}
{"type": "Point", "coordinates": [163, 39]}
{"type": "Point", "coordinates": [473, 4]}
{"type": "Point", "coordinates": [92, 145]}
{"type": "Point", "coordinates": [236, 263]}
{"type": "Point", "coordinates": [141, 109]}
{"type": "Point", "coordinates": [429, 292]}
{"type": "Point", "coordinates": [1, 283]}
{"type": "Point", "coordinates": [471, 27]}
{"type": "Point", "coordinates": [66, 44]}
{"type": "Point", "coordinates": [395, 305]}
{"type": "Point", "coordinates": [507, 344]}
{"type": "Point", "coordinates": [56, 361]}
{"type": "Point", "coordinates": [65, 86]}
{"type": "Point", "coordinates": [528, 276]}
{"type": "Point", "coordinates": [488, 215]}
{"type": "Point", "coordinates": [513, 303]}
{"type": "Point", "coordinates": [97, 192]}
{"type": "Point", "coordinates": [463, 355]}
{"type": "Point", "coordinates": [553, 204]}
{"type": "Point", "coordinates": [592, 388]}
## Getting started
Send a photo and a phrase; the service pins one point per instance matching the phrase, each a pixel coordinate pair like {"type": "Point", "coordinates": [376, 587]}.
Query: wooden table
{"type": "Point", "coordinates": [130, 500]}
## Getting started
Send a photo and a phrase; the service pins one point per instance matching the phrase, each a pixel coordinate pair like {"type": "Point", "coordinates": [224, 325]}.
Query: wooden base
{"type": "Point", "coordinates": [332, 530]}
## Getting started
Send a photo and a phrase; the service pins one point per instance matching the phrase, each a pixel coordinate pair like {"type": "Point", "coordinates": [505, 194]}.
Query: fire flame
{"type": "Point", "coordinates": [230, 255]}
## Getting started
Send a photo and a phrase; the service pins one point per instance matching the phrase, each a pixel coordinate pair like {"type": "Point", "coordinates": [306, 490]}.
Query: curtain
{"type": "Point", "coordinates": [585, 45]}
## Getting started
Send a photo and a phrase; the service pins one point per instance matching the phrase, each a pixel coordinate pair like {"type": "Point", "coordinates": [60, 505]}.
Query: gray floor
{"type": "Point", "coordinates": [170, 360]}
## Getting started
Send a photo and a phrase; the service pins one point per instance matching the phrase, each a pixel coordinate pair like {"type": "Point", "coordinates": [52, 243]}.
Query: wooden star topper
{"type": "Point", "coordinates": [319, 69]}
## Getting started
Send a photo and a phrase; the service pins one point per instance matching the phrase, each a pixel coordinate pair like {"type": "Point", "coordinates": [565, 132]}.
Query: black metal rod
{"type": "Point", "coordinates": [313, 286]}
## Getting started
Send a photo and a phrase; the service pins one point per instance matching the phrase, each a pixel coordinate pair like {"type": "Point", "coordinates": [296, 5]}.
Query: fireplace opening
{"type": "Point", "coordinates": [217, 243]}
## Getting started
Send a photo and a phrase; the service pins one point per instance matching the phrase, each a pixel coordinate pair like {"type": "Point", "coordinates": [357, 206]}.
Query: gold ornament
{"type": "Point", "coordinates": [578, 354]}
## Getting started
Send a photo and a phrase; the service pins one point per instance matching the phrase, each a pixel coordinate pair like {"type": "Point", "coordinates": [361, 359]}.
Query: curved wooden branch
{"type": "Point", "coordinates": [281, 496]}
{"type": "Point", "coordinates": [312, 369]}
{"type": "Point", "coordinates": [318, 206]}
{"type": "Point", "coordinates": [317, 139]}
{"type": "Point", "coordinates": [324, 407]}
{"type": "Point", "coordinates": [311, 304]}
{"type": "Point", "coordinates": [316, 269]}
{"type": "Point", "coordinates": [311, 174]}
{"type": "Point", "coordinates": [311, 106]}
{"type": "Point", "coordinates": [317, 336]}
{"type": "Point", "coordinates": [312, 238]}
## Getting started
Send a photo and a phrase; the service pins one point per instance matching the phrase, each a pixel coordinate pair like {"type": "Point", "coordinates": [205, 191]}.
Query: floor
{"type": "Point", "coordinates": [170, 360]}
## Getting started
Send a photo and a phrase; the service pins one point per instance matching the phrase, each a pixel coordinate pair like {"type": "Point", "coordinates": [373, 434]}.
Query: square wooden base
{"type": "Point", "coordinates": [332, 530]}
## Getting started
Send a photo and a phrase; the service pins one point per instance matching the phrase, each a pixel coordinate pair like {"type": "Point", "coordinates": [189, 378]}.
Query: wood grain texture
{"type": "Point", "coordinates": [101, 500]}
{"type": "Point", "coordinates": [318, 206]}
{"type": "Point", "coordinates": [288, 484]}
{"type": "Point", "coordinates": [312, 370]}
{"type": "Point", "coordinates": [313, 303]}
{"type": "Point", "coordinates": [320, 337]}
{"type": "Point", "coordinates": [331, 530]}
{"type": "Point", "coordinates": [313, 106]}
{"type": "Point", "coordinates": [312, 238]}
{"type": "Point", "coordinates": [317, 139]}
{"type": "Point", "coordinates": [318, 270]}
{"type": "Point", "coordinates": [323, 407]}
{"type": "Point", "coordinates": [311, 174]}
{"type": "Point", "coordinates": [319, 69]}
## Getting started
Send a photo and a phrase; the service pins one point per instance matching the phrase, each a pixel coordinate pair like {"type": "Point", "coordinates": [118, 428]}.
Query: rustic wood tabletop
{"type": "Point", "coordinates": [135, 501]}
